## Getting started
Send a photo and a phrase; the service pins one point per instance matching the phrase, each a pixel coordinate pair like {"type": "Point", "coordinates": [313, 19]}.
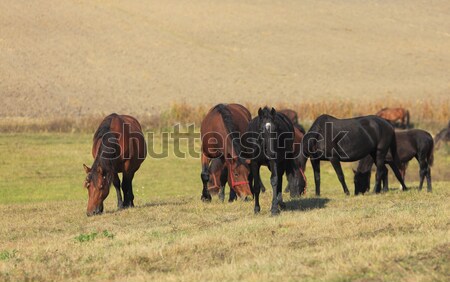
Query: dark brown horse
{"type": "Point", "coordinates": [293, 116]}
{"type": "Point", "coordinates": [118, 147]}
{"type": "Point", "coordinates": [442, 136]}
{"type": "Point", "coordinates": [221, 130]}
{"type": "Point", "coordinates": [292, 187]}
{"type": "Point", "coordinates": [395, 114]}
{"type": "Point", "coordinates": [414, 143]}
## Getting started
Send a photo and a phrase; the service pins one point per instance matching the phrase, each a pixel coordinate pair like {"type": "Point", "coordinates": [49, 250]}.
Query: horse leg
{"type": "Point", "coordinates": [257, 187]}
{"type": "Point", "coordinates": [206, 197]}
{"type": "Point", "coordinates": [429, 188]}
{"type": "Point", "coordinates": [337, 167]}
{"type": "Point", "coordinates": [274, 182]}
{"type": "Point", "coordinates": [116, 183]}
{"type": "Point", "coordinates": [223, 183]}
{"type": "Point", "coordinates": [281, 170]}
{"type": "Point", "coordinates": [128, 190]}
{"type": "Point", "coordinates": [316, 167]}
{"type": "Point", "coordinates": [423, 171]}
{"type": "Point", "coordinates": [381, 170]}
{"type": "Point", "coordinates": [398, 175]}
{"type": "Point", "coordinates": [385, 182]}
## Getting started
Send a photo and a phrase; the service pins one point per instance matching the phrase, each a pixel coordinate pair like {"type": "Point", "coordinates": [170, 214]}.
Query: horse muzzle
{"type": "Point", "coordinates": [97, 211]}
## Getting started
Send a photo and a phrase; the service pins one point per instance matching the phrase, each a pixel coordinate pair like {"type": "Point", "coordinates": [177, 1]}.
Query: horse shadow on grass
{"type": "Point", "coordinates": [306, 204]}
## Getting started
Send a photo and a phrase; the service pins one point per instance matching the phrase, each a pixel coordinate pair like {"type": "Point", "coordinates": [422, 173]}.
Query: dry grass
{"type": "Point", "coordinates": [172, 236]}
{"type": "Point", "coordinates": [431, 115]}
{"type": "Point", "coordinates": [86, 58]}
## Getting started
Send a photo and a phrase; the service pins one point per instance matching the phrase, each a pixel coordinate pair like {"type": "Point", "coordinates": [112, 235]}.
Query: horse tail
{"type": "Point", "coordinates": [394, 152]}
{"type": "Point", "coordinates": [407, 119]}
{"type": "Point", "coordinates": [430, 157]}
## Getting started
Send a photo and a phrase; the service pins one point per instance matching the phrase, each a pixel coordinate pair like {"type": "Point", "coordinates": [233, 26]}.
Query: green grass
{"type": "Point", "coordinates": [172, 235]}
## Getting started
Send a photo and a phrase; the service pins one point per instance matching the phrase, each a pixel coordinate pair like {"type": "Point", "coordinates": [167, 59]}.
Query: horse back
{"type": "Point", "coordinates": [129, 142]}
{"type": "Point", "coordinates": [352, 138]}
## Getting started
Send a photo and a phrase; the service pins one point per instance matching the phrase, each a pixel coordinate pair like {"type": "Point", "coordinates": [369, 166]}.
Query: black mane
{"type": "Point", "coordinates": [229, 125]}
{"type": "Point", "coordinates": [104, 149]}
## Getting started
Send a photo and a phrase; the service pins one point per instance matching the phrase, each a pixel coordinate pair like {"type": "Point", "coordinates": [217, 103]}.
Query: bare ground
{"type": "Point", "coordinates": [78, 58]}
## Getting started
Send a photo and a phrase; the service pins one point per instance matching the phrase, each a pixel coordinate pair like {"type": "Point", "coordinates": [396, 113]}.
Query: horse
{"type": "Point", "coordinates": [395, 114]}
{"type": "Point", "coordinates": [218, 175]}
{"type": "Point", "coordinates": [296, 190]}
{"type": "Point", "coordinates": [414, 143]}
{"type": "Point", "coordinates": [355, 139]}
{"type": "Point", "coordinates": [442, 136]}
{"type": "Point", "coordinates": [218, 178]}
{"type": "Point", "coordinates": [220, 131]}
{"type": "Point", "coordinates": [269, 141]}
{"type": "Point", "coordinates": [118, 147]}
{"type": "Point", "coordinates": [292, 115]}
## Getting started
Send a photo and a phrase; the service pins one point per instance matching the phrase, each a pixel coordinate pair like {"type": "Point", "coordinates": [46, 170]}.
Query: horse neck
{"type": "Point", "coordinates": [365, 164]}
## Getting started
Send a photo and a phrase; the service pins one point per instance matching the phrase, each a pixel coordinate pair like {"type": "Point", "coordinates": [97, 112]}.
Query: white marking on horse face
{"type": "Point", "coordinates": [268, 126]}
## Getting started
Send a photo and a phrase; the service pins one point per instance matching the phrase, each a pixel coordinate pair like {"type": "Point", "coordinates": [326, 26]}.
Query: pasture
{"type": "Point", "coordinates": [171, 235]}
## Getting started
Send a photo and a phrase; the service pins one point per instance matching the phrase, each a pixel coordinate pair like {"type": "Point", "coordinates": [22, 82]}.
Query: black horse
{"type": "Point", "coordinates": [414, 143]}
{"type": "Point", "coordinates": [269, 141]}
{"type": "Point", "coordinates": [349, 140]}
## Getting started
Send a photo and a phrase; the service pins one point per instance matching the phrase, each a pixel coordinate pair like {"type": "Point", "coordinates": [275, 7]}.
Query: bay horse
{"type": "Point", "coordinates": [293, 116]}
{"type": "Point", "coordinates": [442, 136]}
{"type": "Point", "coordinates": [220, 131]}
{"type": "Point", "coordinates": [292, 188]}
{"type": "Point", "coordinates": [269, 141]}
{"type": "Point", "coordinates": [414, 143]}
{"type": "Point", "coordinates": [218, 178]}
{"type": "Point", "coordinates": [118, 147]}
{"type": "Point", "coordinates": [349, 140]}
{"type": "Point", "coordinates": [395, 114]}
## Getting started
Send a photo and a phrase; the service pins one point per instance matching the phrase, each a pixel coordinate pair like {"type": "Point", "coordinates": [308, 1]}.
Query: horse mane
{"type": "Point", "coordinates": [105, 163]}
{"type": "Point", "coordinates": [229, 125]}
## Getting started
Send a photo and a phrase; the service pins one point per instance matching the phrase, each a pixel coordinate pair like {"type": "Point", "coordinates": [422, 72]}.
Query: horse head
{"type": "Point", "coordinates": [97, 183]}
{"type": "Point", "coordinates": [268, 129]}
{"type": "Point", "coordinates": [362, 181]}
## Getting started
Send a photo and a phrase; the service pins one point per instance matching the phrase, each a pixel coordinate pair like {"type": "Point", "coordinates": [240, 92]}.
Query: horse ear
{"type": "Point", "coordinates": [273, 112]}
{"type": "Point", "coordinates": [260, 112]}
{"type": "Point", "coordinates": [86, 168]}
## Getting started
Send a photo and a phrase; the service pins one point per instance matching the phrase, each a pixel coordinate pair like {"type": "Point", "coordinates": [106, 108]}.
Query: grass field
{"type": "Point", "coordinates": [171, 235]}
{"type": "Point", "coordinates": [64, 65]}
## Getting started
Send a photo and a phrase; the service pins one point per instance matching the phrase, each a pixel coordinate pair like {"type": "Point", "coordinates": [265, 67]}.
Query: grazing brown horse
{"type": "Point", "coordinates": [292, 187]}
{"type": "Point", "coordinates": [292, 115]}
{"type": "Point", "coordinates": [395, 114]}
{"type": "Point", "coordinates": [118, 147]}
{"type": "Point", "coordinates": [442, 136]}
{"type": "Point", "coordinates": [221, 130]}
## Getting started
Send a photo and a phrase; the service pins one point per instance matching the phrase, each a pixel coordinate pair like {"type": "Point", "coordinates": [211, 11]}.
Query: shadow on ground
{"type": "Point", "coordinates": [306, 204]}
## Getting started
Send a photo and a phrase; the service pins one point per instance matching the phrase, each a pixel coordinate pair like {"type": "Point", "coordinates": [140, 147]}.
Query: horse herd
{"type": "Point", "coordinates": [235, 146]}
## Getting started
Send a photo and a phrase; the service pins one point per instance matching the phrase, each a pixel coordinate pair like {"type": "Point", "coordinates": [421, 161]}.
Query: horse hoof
{"type": "Point", "coordinates": [257, 210]}
{"type": "Point", "coordinates": [206, 199]}
{"type": "Point", "coordinates": [282, 205]}
{"type": "Point", "coordinates": [275, 212]}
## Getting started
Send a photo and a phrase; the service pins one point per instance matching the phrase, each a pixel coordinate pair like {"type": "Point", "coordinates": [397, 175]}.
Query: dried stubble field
{"type": "Point", "coordinates": [65, 64]}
